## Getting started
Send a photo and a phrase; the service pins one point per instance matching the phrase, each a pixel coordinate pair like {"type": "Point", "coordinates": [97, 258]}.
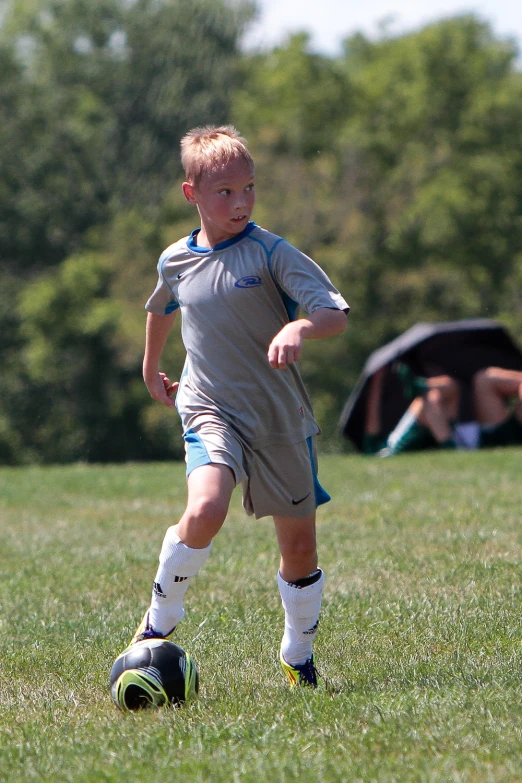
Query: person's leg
{"type": "Point", "coordinates": [439, 407]}
{"type": "Point", "coordinates": [210, 488]}
{"type": "Point", "coordinates": [427, 421]}
{"type": "Point", "coordinates": [187, 545]}
{"type": "Point", "coordinates": [301, 587]}
{"type": "Point", "coordinates": [373, 439]}
{"type": "Point", "coordinates": [297, 542]}
{"type": "Point", "coordinates": [492, 387]}
{"type": "Point", "coordinates": [283, 483]}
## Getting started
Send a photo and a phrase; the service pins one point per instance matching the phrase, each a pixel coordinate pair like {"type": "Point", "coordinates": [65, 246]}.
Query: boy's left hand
{"type": "Point", "coordinates": [286, 346]}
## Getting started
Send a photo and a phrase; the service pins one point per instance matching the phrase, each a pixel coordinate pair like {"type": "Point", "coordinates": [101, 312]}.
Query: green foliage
{"type": "Point", "coordinates": [397, 166]}
{"type": "Point", "coordinates": [444, 187]}
{"type": "Point", "coordinates": [292, 101]}
{"type": "Point", "coordinates": [15, 408]}
{"type": "Point", "coordinates": [97, 97]}
{"type": "Point", "coordinates": [83, 354]}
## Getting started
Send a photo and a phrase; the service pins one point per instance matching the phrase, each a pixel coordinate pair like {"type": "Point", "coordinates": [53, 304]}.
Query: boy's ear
{"type": "Point", "coordinates": [189, 192]}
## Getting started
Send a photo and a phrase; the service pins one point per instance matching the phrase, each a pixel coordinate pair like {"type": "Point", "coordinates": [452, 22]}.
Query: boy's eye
{"type": "Point", "coordinates": [224, 191]}
{"type": "Point", "coordinates": [250, 187]}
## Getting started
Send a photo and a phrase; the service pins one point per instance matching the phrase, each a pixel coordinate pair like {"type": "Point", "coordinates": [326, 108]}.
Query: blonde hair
{"type": "Point", "coordinates": [208, 148]}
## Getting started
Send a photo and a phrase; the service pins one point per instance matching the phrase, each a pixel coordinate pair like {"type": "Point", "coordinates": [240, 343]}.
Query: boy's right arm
{"type": "Point", "coordinates": [158, 384]}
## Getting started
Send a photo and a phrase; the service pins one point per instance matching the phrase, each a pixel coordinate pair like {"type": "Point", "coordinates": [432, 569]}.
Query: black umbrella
{"type": "Point", "coordinates": [457, 348]}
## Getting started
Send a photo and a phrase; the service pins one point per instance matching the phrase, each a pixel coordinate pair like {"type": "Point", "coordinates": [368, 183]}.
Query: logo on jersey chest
{"type": "Point", "coordinates": [250, 281]}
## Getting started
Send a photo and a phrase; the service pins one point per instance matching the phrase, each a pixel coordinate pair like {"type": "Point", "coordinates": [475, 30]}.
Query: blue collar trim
{"type": "Point", "coordinates": [192, 243]}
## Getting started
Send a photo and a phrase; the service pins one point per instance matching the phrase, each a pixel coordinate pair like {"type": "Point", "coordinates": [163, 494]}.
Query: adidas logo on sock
{"type": "Point", "coordinates": [180, 578]}
{"type": "Point", "coordinates": [158, 590]}
{"type": "Point", "coordinates": [313, 629]}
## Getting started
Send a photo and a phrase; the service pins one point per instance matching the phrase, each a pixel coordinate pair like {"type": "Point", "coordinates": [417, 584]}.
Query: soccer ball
{"type": "Point", "coordinates": [152, 673]}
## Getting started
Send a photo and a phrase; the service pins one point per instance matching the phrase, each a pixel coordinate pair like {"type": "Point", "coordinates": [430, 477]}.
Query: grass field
{"type": "Point", "coordinates": [420, 638]}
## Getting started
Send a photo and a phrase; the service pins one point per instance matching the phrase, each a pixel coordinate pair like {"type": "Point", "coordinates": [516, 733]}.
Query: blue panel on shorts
{"type": "Point", "coordinates": [197, 453]}
{"type": "Point", "coordinates": [321, 495]}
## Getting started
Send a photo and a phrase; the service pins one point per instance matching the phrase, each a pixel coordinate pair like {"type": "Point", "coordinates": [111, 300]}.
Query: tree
{"type": "Point", "coordinates": [293, 101]}
{"type": "Point", "coordinates": [97, 96]}
{"type": "Point", "coordinates": [437, 118]}
{"type": "Point", "coordinates": [83, 326]}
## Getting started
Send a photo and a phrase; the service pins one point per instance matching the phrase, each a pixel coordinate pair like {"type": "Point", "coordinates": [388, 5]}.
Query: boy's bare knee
{"type": "Point", "coordinates": [201, 521]}
{"type": "Point", "coordinates": [208, 509]}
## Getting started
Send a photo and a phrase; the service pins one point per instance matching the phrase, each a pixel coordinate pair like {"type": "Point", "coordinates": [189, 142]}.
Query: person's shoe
{"type": "Point", "coordinates": [371, 444]}
{"type": "Point", "coordinates": [302, 674]}
{"type": "Point", "coordinates": [146, 631]}
{"type": "Point", "coordinates": [408, 435]}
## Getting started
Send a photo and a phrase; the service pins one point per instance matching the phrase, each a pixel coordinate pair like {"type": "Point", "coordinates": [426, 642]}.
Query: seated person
{"type": "Point", "coordinates": [428, 421]}
{"type": "Point", "coordinates": [493, 390]}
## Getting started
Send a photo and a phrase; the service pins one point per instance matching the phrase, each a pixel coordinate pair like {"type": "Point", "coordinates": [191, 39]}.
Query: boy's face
{"type": "Point", "coordinates": [225, 199]}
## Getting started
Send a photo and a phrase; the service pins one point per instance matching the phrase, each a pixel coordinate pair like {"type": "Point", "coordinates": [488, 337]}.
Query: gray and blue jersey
{"type": "Point", "coordinates": [234, 299]}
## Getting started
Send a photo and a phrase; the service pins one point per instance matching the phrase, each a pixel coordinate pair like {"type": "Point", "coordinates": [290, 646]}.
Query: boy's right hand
{"type": "Point", "coordinates": [161, 389]}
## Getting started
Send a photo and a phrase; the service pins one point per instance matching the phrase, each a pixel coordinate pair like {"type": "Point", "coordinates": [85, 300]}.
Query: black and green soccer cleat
{"type": "Point", "coordinates": [146, 631]}
{"type": "Point", "coordinates": [301, 674]}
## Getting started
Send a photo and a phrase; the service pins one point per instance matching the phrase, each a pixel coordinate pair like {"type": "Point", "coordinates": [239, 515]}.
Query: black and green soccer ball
{"type": "Point", "coordinates": [153, 673]}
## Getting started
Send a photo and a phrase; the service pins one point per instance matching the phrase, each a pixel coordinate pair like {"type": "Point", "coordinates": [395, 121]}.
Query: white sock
{"type": "Point", "coordinates": [302, 606]}
{"type": "Point", "coordinates": [178, 564]}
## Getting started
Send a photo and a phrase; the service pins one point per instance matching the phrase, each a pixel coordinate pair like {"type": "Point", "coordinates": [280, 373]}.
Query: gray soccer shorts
{"type": "Point", "coordinates": [279, 480]}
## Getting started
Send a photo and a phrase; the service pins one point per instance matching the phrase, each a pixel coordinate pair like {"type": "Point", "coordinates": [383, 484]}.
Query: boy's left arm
{"type": "Point", "coordinates": [287, 345]}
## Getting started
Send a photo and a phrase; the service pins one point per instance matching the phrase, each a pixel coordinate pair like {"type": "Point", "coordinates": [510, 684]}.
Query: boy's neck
{"type": "Point", "coordinates": [205, 238]}
{"type": "Point", "coordinates": [201, 238]}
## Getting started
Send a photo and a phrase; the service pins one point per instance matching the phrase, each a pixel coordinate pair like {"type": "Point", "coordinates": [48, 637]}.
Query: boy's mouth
{"type": "Point", "coordinates": [239, 219]}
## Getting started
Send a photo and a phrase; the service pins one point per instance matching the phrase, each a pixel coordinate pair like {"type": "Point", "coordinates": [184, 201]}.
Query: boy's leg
{"type": "Point", "coordinates": [296, 537]}
{"type": "Point", "coordinates": [187, 545]}
{"type": "Point", "coordinates": [210, 488]}
{"type": "Point", "coordinates": [301, 588]}
{"type": "Point", "coordinates": [282, 483]}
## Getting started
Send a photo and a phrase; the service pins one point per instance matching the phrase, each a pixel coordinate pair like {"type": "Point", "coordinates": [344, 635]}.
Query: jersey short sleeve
{"type": "Point", "coordinates": [162, 300]}
{"type": "Point", "coordinates": [303, 281]}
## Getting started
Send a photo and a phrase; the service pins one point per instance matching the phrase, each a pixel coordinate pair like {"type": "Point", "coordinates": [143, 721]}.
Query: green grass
{"type": "Point", "coordinates": [420, 639]}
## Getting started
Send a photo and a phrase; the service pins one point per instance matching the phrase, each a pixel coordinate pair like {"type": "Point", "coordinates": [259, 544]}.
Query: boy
{"type": "Point", "coordinates": [245, 413]}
